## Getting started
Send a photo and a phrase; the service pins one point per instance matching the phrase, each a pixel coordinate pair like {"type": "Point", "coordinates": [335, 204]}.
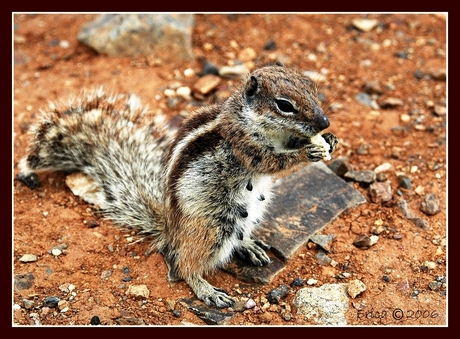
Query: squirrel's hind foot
{"type": "Point", "coordinates": [210, 295]}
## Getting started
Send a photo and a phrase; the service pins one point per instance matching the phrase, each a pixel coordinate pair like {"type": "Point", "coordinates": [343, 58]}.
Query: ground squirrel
{"type": "Point", "coordinates": [198, 192]}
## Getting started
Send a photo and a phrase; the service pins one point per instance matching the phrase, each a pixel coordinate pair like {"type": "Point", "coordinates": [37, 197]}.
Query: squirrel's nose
{"type": "Point", "coordinates": [322, 122]}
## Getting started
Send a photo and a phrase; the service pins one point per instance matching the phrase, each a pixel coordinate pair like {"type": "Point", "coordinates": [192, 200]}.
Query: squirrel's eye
{"type": "Point", "coordinates": [285, 106]}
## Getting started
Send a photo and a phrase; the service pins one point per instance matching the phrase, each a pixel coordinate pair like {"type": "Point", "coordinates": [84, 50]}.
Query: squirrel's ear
{"type": "Point", "coordinates": [279, 63]}
{"type": "Point", "coordinates": [252, 86]}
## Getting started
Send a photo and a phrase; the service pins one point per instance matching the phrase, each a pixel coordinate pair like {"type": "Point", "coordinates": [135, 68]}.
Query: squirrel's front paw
{"type": "Point", "coordinates": [332, 140]}
{"type": "Point", "coordinates": [254, 251]}
{"type": "Point", "coordinates": [316, 152]}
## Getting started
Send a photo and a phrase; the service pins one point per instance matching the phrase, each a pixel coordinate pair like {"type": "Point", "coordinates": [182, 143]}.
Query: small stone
{"type": "Point", "coordinates": [95, 320]}
{"type": "Point", "coordinates": [404, 181]}
{"type": "Point", "coordinates": [355, 287]}
{"type": "Point", "coordinates": [363, 241]}
{"type": "Point", "coordinates": [340, 165]}
{"type": "Point", "coordinates": [233, 71]}
{"type": "Point", "coordinates": [380, 192]}
{"type": "Point", "coordinates": [431, 265]}
{"type": "Point", "coordinates": [364, 177]}
{"type": "Point", "coordinates": [430, 204]}
{"type": "Point", "coordinates": [372, 87]}
{"type": "Point", "coordinates": [56, 252]}
{"type": "Point", "coordinates": [325, 241]}
{"type": "Point", "coordinates": [138, 291]}
{"type": "Point", "coordinates": [404, 208]}
{"type": "Point", "coordinates": [403, 285]}
{"type": "Point", "coordinates": [275, 295]}
{"type": "Point", "coordinates": [184, 92]}
{"type": "Point", "coordinates": [28, 304]}
{"type": "Point", "coordinates": [176, 313]}
{"type": "Point", "coordinates": [365, 25]}
{"type": "Point", "coordinates": [206, 84]}
{"type": "Point", "coordinates": [106, 274]}
{"type": "Point", "coordinates": [247, 54]}
{"type": "Point", "coordinates": [51, 302]}
{"type": "Point", "coordinates": [435, 285]}
{"type": "Point", "coordinates": [28, 258]}
{"type": "Point", "coordinates": [391, 102]}
{"type": "Point", "coordinates": [62, 305]}
{"type": "Point", "coordinates": [421, 223]}
{"type": "Point", "coordinates": [297, 282]}
{"type": "Point", "coordinates": [386, 166]}
{"type": "Point", "coordinates": [311, 281]}
{"type": "Point", "coordinates": [440, 110]}
{"type": "Point", "coordinates": [386, 278]}
{"type": "Point", "coordinates": [437, 74]}
{"type": "Point", "coordinates": [250, 303]}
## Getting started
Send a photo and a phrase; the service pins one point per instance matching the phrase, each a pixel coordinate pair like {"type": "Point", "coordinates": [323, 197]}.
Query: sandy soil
{"type": "Point", "coordinates": [404, 55]}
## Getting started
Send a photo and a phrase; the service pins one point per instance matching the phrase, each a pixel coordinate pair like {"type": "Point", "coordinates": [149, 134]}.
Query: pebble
{"type": "Point", "coordinates": [365, 25]}
{"type": "Point", "coordinates": [250, 303]}
{"type": "Point", "coordinates": [404, 181]}
{"type": "Point", "coordinates": [106, 274]}
{"type": "Point", "coordinates": [28, 304]}
{"type": "Point", "coordinates": [297, 282]}
{"type": "Point", "coordinates": [184, 92]}
{"type": "Point", "coordinates": [95, 320]}
{"type": "Point", "coordinates": [340, 165]}
{"type": "Point", "coordinates": [233, 71]}
{"type": "Point", "coordinates": [386, 166]}
{"type": "Point", "coordinates": [206, 84]}
{"type": "Point", "coordinates": [28, 258]}
{"type": "Point", "coordinates": [364, 241]}
{"type": "Point", "coordinates": [324, 241]}
{"type": "Point", "coordinates": [138, 291]}
{"type": "Point", "coordinates": [51, 302]}
{"type": "Point", "coordinates": [355, 288]}
{"type": "Point", "coordinates": [435, 285]}
{"type": "Point", "coordinates": [430, 204]}
{"type": "Point", "coordinates": [391, 102]}
{"type": "Point", "coordinates": [380, 192]}
{"type": "Point", "coordinates": [363, 177]}
{"type": "Point", "coordinates": [275, 295]}
{"type": "Point", "coordinates": [311, 281]}
{"type": "Point", "coordinates": [56, 252]}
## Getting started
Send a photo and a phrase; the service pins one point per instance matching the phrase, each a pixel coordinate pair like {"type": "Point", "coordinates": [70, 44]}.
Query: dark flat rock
{"type": "Point", "coordinates": [305, 202]}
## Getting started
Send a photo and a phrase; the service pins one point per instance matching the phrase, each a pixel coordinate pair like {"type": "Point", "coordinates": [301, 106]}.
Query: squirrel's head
{"type": "Point", "coordinates": [285, 101]}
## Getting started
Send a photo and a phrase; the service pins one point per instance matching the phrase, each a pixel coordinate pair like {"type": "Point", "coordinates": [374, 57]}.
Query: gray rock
{"type": "Point", "coordinates": [364, 98]}
{"type": "Point", "coordinates": [340, 166]}
{"type": "Point", "coordinates": [404, 181]}
{"type": "Point", "coordinates": [324, 241]}
{"type": "Point", "coordinates": [23, 281]}
{"type": "Point", "coordinates": [404, 208]}
{"type": "Point", "coordinates": [430, 204]}
{"type": "Point", "coordinates": [275, 295]}
{"type": "Point", "coordinates": [51, 302]}
{"type": "Point", "coordinates": [325, 305]}
{"type": "Point", "coordinates": [406, 211]}
{"type": "Point", "coordinates": [322, 258]}
{"type": "Point", "coordinates": [165, 35]}
{"type": "Point", "coordinates": [363, 177]}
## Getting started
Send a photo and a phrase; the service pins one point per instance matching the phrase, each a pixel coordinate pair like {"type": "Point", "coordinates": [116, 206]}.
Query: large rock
{"type": "Point", "coordinates": [168, 36]}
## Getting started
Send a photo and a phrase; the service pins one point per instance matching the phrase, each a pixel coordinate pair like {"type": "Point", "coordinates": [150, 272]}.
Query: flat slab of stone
{"type": "Point", "coordinates": [305, 202]}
